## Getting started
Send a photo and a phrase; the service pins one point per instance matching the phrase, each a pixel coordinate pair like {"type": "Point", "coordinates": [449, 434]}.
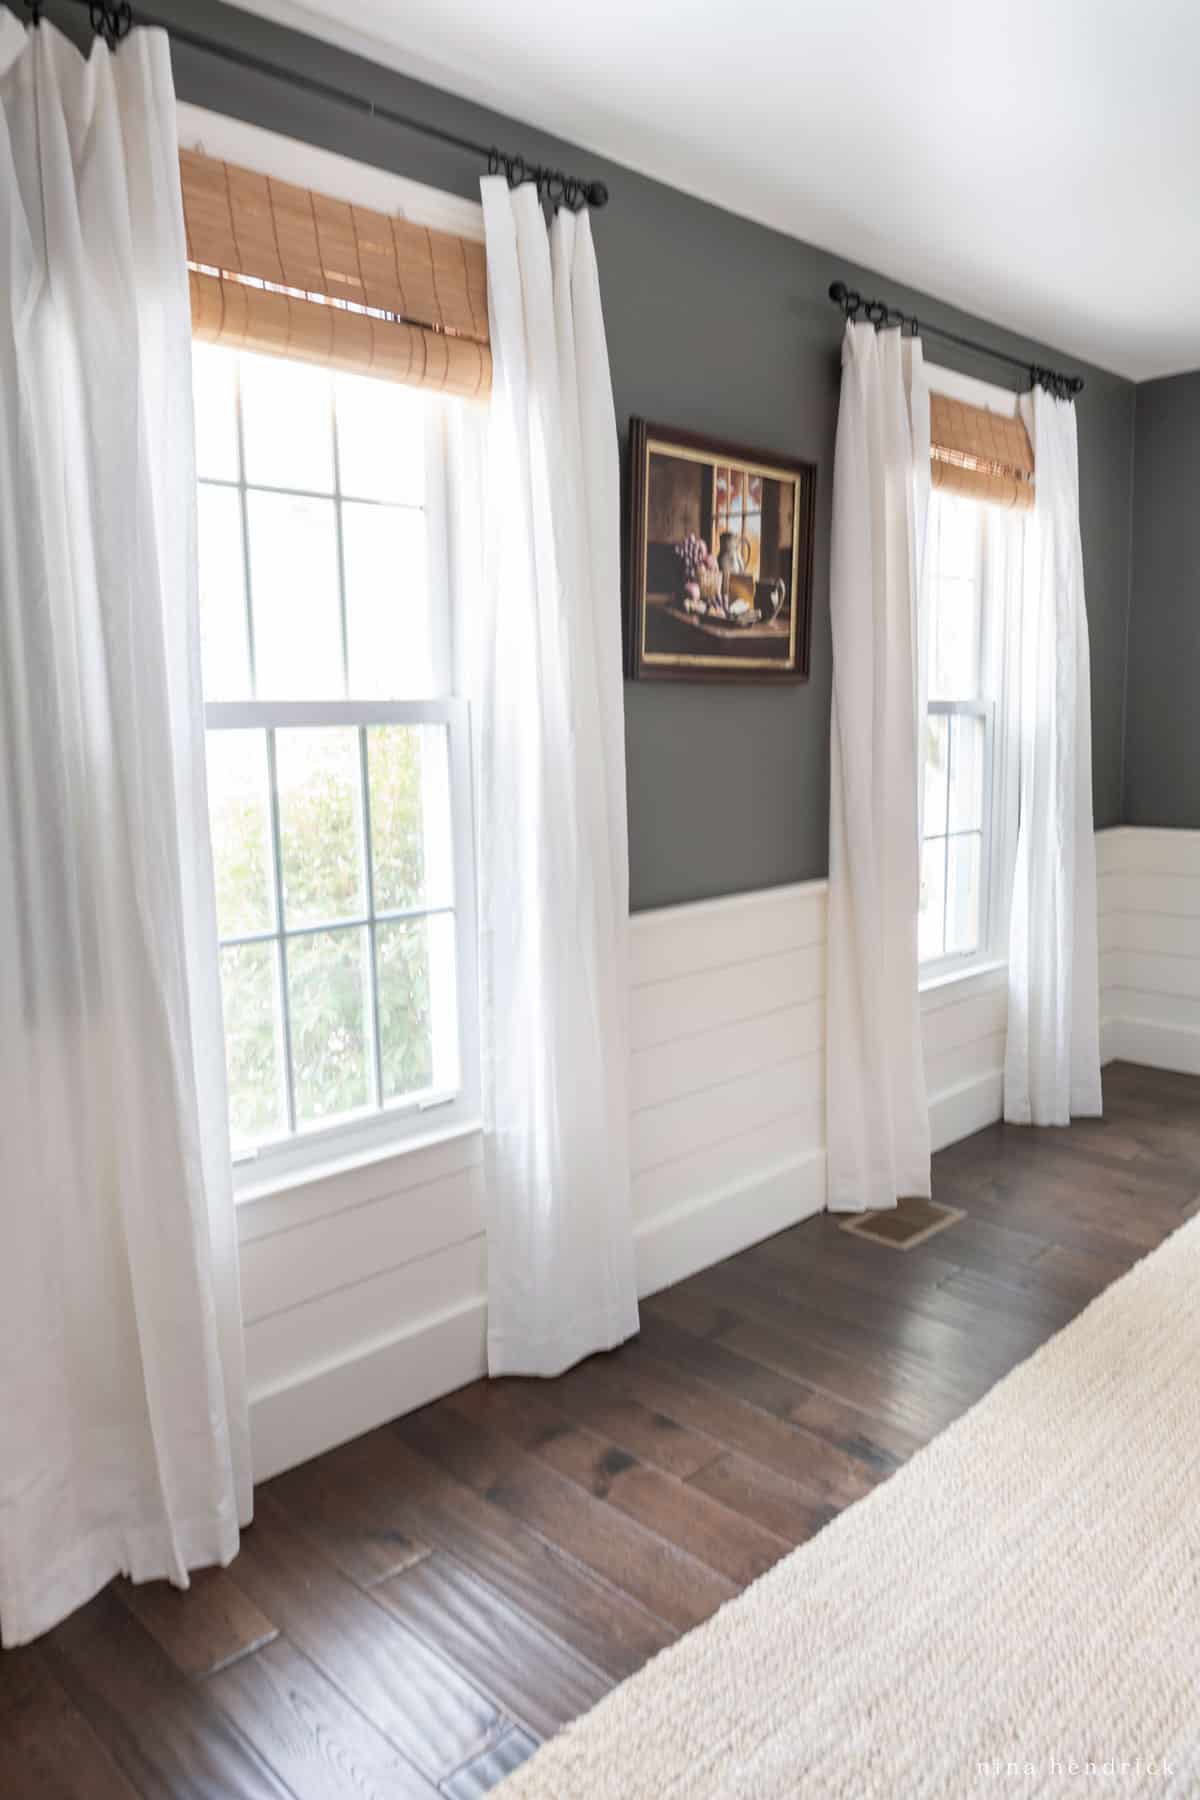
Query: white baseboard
{"type": "Point", "coordinates": [1158, 1046]}
{"type": "Point", "coordinates": [959, 1111]}
{"type": "Point", "coordinates": [703, 1231]}
{"type": "Point", "coordinates": [326, 1406]}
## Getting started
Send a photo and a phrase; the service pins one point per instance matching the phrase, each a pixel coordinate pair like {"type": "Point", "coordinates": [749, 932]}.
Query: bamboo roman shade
{"type": "Point", "coordinates": [981, 454]}
{"type": "Point", "coordinates": [279, 269]}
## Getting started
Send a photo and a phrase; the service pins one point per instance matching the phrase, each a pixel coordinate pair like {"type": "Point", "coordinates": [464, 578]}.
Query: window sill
{"type": "Point", "coordinates": [337, 1168]}
{"type": "Point", "coordinates": [945, 986]}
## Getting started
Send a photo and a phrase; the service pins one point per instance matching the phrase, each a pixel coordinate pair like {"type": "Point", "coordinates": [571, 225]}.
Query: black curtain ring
{"type": "Point", "coordinates": [514, 168]}
{"type": "Point", "coordinates": [877, 314]}
{"type": "Point", "coordinates": [493, 161]}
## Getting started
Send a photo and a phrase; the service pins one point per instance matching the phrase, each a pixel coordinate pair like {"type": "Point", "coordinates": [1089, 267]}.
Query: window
{"type": "Point", "coordinates": [338, 763]}
{"type": "Point", "coordinates": [956, 849]}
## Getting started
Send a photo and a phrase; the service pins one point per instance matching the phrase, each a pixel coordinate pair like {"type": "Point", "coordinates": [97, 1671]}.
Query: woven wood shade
{"type": "Point", "coordinates": [980, 454]}
{"type": "Point", "coordinates": [279, 269]}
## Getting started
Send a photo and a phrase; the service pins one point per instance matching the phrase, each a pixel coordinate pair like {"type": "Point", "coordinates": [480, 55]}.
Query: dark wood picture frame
{"type": "Point", "coordinates": [665, 639]}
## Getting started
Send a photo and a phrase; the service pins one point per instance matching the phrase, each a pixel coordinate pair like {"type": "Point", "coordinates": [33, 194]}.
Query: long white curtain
{"type": "Point", "coordinates": [1052, 1063]}
{"type": "Point", "coordinates": [553, 844]}
{"type": "Point", "coordinates": [877, 1116]}
{"type": "Point", "coordinates": [123, 1439]}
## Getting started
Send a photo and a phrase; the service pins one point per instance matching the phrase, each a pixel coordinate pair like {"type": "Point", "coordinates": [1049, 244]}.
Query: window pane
{"type": "Point", "coordinates": [966, 774]}
{"type": "Point", "coordinates": [411, 842]}
{"type": "Point", "coordinates": [954, 663]}
{"type": "Point", "coordinates": [405, 1034]}
{"type": "Point", "coordinates": [418, 1019]}
{"type": "Point", "coordinates": [239, 817]}
{"type": "Point", "coordinates": [214, 397]}
{"type": "Point", "coordinates": [327, 989]}
{"type": "Point", "coordinates": [387, 601]}
{"type": "Point", "coordinates": [320, 825]}
{"type": "Point", "coordinates": [223, 649]}
{"type": "Point", "coordinates": [930, 924]}
{"type": "Point", "coordinates": [937, 737]}
{"type": "Point", "coordinates": [962, 894]}
{"type": "Point", "coordinates": [250, 990]}
{"type": "Point", "coordinates": [381, 440]}
{"type": "Point", "coordinates": [287, 423]}
{"type": "Point", "coordinates": [294, 587]}
{"type": "Point", "coordinates": [958, 525]}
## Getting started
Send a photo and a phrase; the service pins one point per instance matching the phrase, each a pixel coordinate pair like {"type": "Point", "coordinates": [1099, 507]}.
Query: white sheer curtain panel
{"type": "Point", "coordinates": [123, 1440]}
{"type": "Point", "coordinates": [877, 1116]}
{"type": "Point", "coordinates": [553, 843]}
{"type": "Point", "coordinates": [1052, 1062]}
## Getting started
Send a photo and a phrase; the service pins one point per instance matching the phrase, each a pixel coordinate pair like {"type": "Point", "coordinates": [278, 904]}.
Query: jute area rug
{"type": "Point", "coordinates": [1016, 1612]}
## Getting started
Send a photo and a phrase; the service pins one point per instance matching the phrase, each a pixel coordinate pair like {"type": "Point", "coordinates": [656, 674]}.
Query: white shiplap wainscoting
{"type": "Point", "coordinates": [364, 1289]}
{"type": "Point", "coordinates": [1150, 946]}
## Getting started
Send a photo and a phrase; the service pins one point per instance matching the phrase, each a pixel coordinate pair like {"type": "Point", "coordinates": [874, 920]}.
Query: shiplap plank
{"type": "Point", "coordinates": [288, 1346]}
{"type": "Point", "coordinates": [352, 1245]}
{"type": "Point", "coordinates": [1177, 1010]}
{"type": "Point", "coordinates": [686, 1004]}
{"type": "Point", "coordinates": [1178, 895]}
{"type": "Point", "coordinates": [678, 940]}
{"type": "Point", "coordinates": [675, 1128]}
{"type": "Point", "coordinates": [711, 1058]}
{"type": "Point", "coordinates": [1158, 934]}
{"type": "Point", "coordinates": [965, 1022]}
{"type": "Point", "coordinates": [1150, 974]}
{"type": "Point", "coordinates": [356, 1184]}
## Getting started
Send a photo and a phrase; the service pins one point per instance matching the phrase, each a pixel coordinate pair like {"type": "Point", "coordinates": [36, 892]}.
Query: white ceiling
{"type": "Point", "coordinates": [1037, 163]}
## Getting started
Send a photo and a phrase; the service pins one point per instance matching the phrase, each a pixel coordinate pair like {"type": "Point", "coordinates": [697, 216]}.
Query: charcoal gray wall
{"type": "Point", "coordinates": [1162, 743]}
{"type": "Point", "coordinates": [724, 327]}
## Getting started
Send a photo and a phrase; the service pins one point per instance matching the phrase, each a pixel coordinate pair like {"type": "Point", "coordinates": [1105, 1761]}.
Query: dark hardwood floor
{"type": "Point", "coordinates": [412, 1613]}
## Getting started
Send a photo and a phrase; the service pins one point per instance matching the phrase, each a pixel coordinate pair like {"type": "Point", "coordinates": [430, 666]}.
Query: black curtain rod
{"type": "Point", "coordinates": [881, 315]}
{"type": "Point", "coordinates": [113, 22]}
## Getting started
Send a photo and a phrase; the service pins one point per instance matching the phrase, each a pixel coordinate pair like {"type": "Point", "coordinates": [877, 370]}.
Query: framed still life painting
{"type": "Point", "coordinates": [720, 560]}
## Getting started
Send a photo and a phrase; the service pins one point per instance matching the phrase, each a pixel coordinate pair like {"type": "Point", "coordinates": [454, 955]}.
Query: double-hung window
{"type": "Point", "coordinates": [956, 917]}
{"type": "Point", "coordinates": [338, 763]}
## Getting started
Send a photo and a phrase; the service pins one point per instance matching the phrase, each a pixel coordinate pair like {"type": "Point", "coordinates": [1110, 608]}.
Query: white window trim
{"type": "Point", "coordinates": [323, 1154]}
{"type": "Point", "coordinates": [389, 1129]}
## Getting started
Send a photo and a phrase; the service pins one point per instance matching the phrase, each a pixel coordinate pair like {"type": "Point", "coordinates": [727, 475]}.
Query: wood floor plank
{"type": "Point", "coordinates": [488, 1770]}
{"type": "Point", "coordinates": [533, 1677]}
{"type": "Point", "coordinates": [677, 1511]}
{"type": "Point", "coordinates": [881, 1443]}
{"type": "Point", "coordinates": [435, 1718]}
{"type": "Point", "coordinates": [200, 1627]}
{"type": "Point", "coordinates": [310, 1733]}
{"type": "Point", "coordinates": [752, 1492]}
{"type": "Point", "coordinates": [381, 1479]}
{"type": "Point", "coordinates": [828, 1475]}
{"type": "Point", "coordinates": [651, 1436]}
{"type": "Point", "coordinates": [356, 1526]}
{"type": "Point", "coordinates": [163, 1730]}
{"type": "Point", "coordinates": [48, 1750]}
{"type": "Point", "coordinates": [676, 1587]}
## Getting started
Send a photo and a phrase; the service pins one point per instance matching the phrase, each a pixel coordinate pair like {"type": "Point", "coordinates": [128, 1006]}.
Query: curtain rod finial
{"type": "Point", "coordinates": [838, 292]}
